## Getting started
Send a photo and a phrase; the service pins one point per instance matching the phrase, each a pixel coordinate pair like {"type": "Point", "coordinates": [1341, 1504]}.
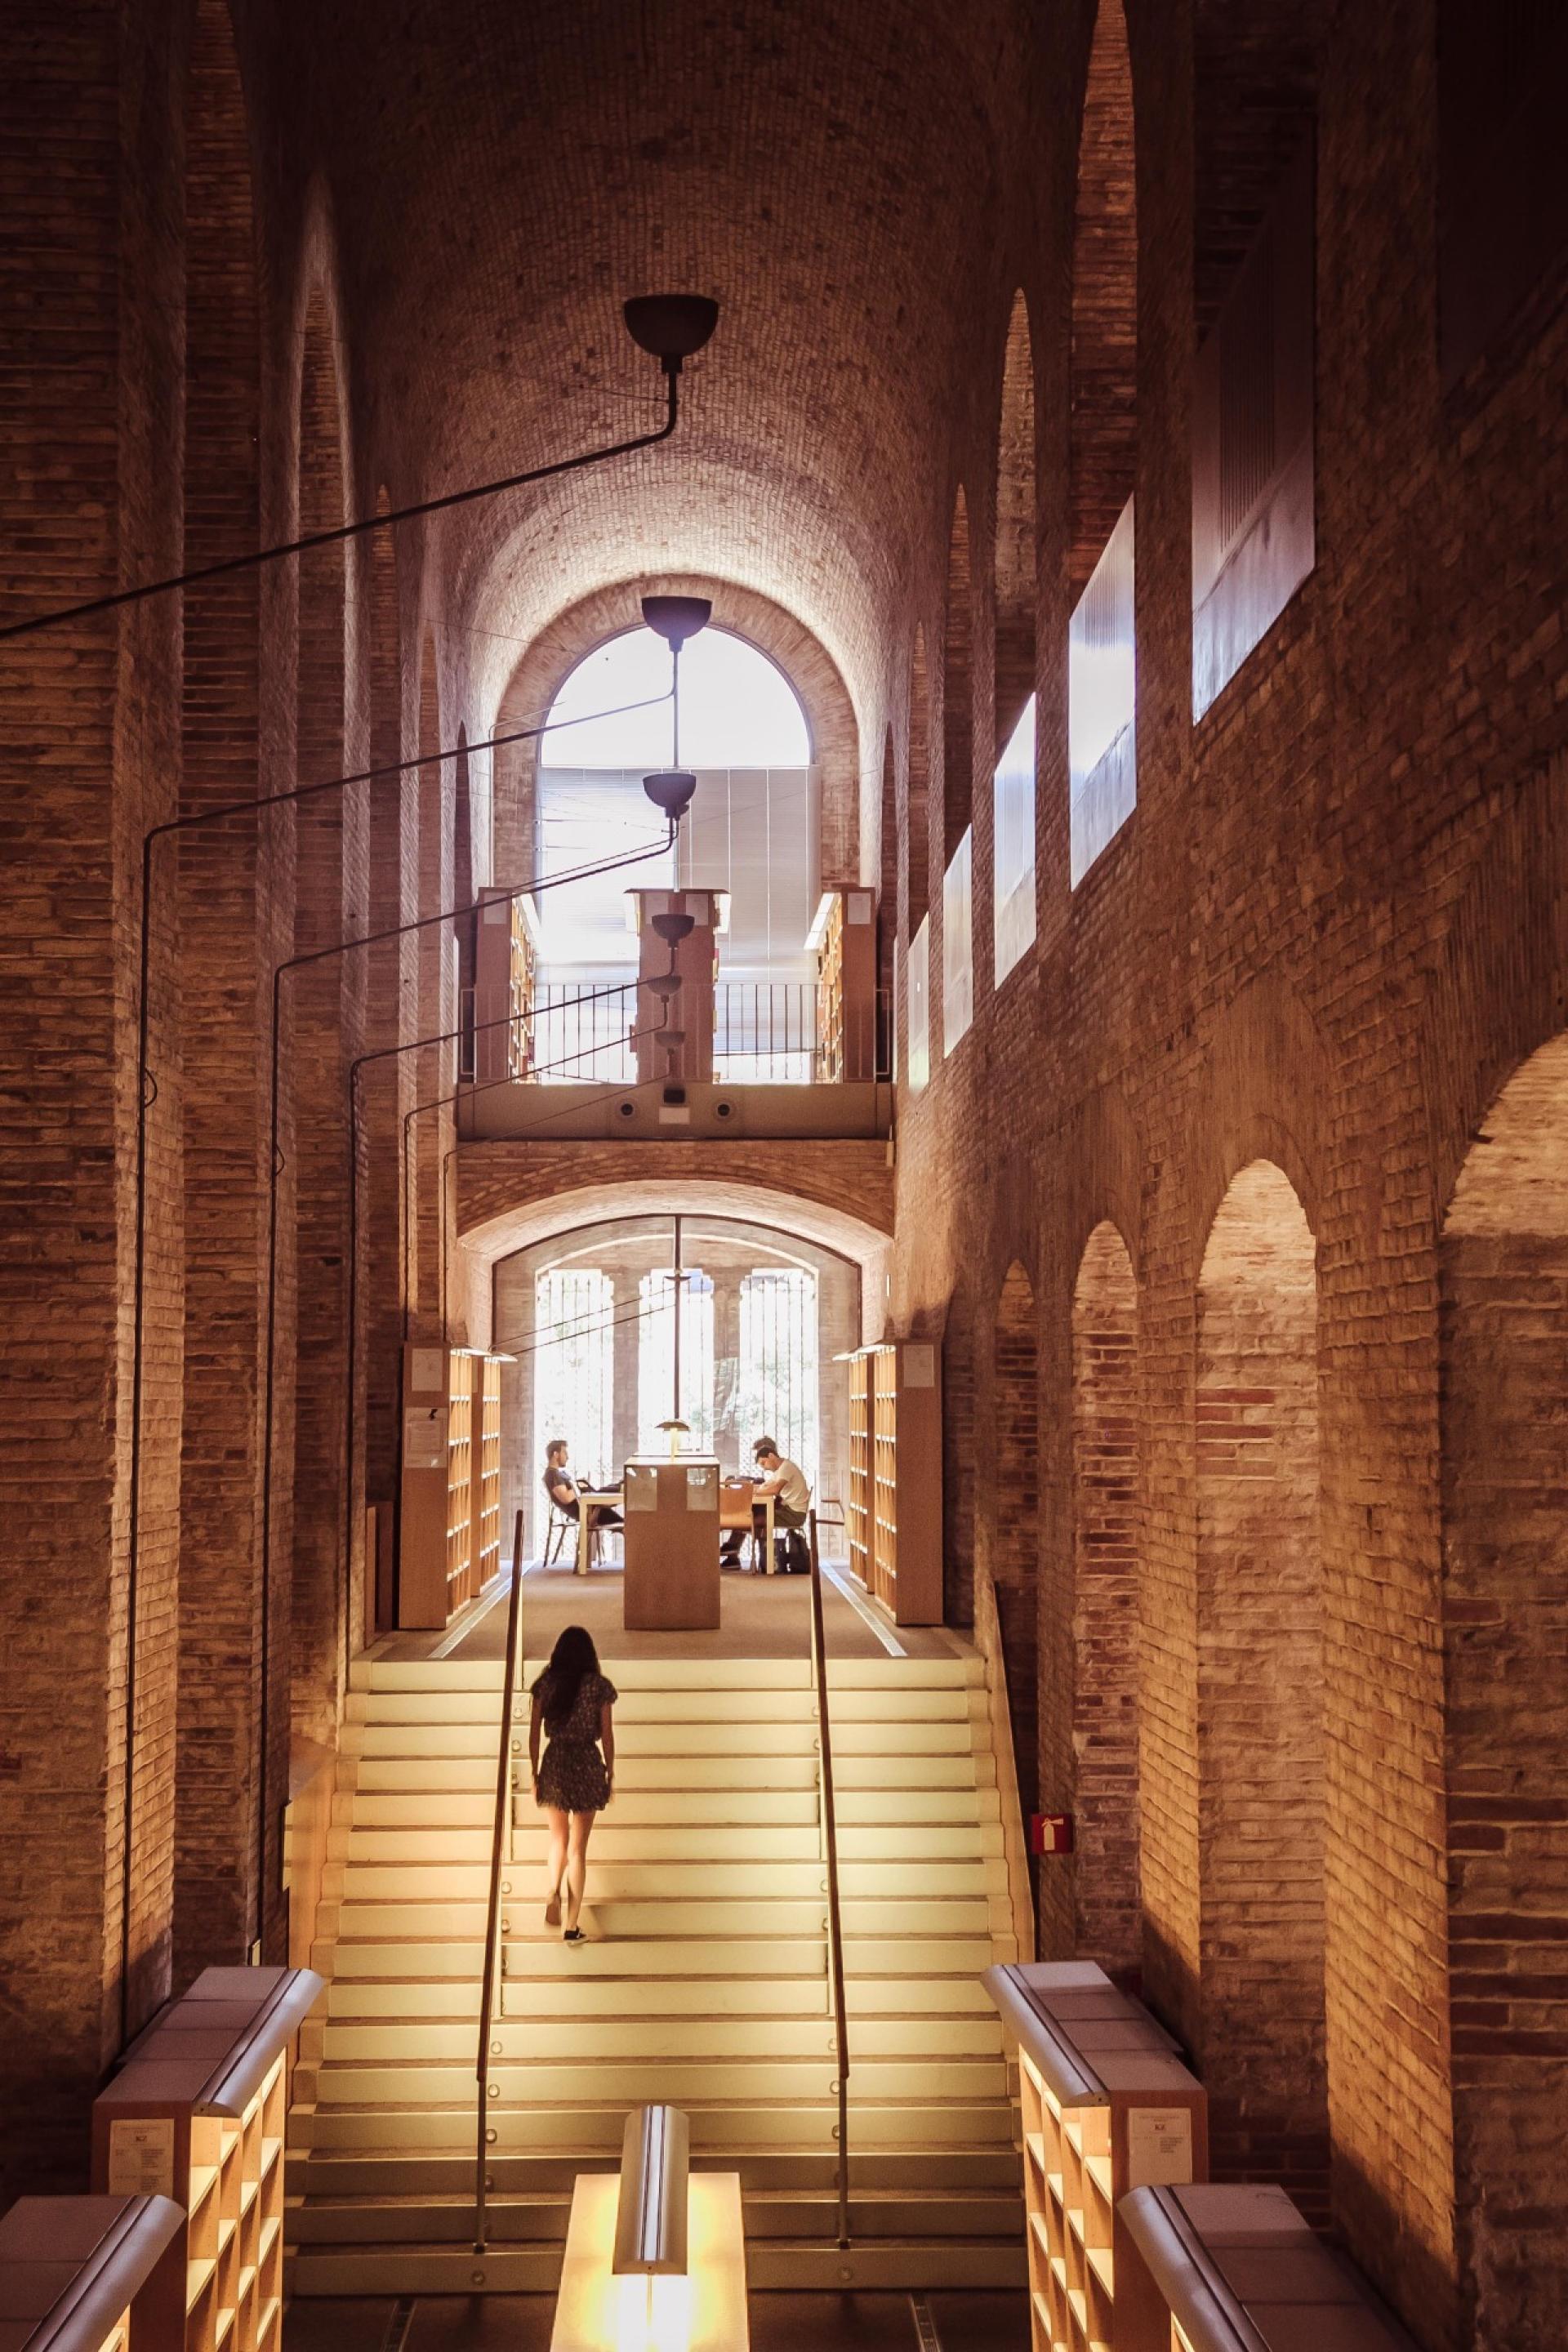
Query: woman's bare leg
{"type": "Point", "coordinates": [555, 1863]}
{"type": "Point", "coordinates": [581, 1830]}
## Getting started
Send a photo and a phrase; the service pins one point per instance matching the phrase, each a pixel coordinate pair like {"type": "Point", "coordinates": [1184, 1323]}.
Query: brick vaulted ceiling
{"type": "Point", "coordinates": [499, 174]}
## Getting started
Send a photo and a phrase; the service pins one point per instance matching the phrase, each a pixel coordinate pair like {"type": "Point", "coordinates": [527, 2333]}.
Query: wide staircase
{"type": "Point", "coordinates": [707, 1984]}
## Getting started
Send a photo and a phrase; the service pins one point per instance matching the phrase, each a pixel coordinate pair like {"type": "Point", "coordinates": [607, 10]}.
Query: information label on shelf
{"type": "Point", "coordinates": [1159, 2147]}
{"type": "Point", "coordinates": [141, 2157]}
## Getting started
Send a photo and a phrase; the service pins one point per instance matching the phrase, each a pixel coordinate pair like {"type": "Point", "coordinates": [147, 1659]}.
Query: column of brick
{"type": "Point", "coordinates": [89, 320]}
{"type": "Point", "coordinates": [1107, 1523]}
{"type": "Point", "coordinates": [388, 1086]}
{"type": "Point", "coordinates": [1261, 1731]}
{"type": "Point", "coordinates": [224, 940]}
{"type": "Point", "coordinates": [433, 1129]}
{"type": "Point", "coordinates": [325, 1009]}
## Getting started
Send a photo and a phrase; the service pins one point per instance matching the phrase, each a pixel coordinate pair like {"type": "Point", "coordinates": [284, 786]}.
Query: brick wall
{"type": "Point", "coordinates": [1106, 1533]}
{"type": "Point", "coordinates": [1261, 1691]}
{"type": "Point", "coordinates": [224, 937]}
{"type": "Point", "coordinates": [1503, 1270]}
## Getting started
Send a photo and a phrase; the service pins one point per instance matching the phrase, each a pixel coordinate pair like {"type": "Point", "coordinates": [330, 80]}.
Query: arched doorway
{"type": "Point", "coordinates": [1261, 1691]}
{"type": "Point", "coordinates": [1503, 1307]}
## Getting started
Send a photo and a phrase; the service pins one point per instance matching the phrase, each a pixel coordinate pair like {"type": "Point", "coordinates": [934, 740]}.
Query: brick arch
{"type": "Point", "coordinates": [1108, 1531]}
{"type": "Point", "coordinates": [1103, 356]}
{"type": "Point", "coordinates": [1502, 1267]}
{"type": "Point", "coordinates": [1262, 1741]}
{"type": "Point", "coordinates": [1500, 987]}
{"type": "Point", "coordinates": [810, 669]}
{"type": "Point", "coordinates": [1266, 1093]}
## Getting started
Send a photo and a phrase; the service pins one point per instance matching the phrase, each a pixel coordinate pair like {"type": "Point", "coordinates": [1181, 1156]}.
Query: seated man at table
{"type": "Point", "coordinates": [561, 1489]}
{"type": "Point", "coordinates": [786, 1482]}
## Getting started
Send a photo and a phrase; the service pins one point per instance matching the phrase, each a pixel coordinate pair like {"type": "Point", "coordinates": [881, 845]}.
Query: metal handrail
{"type": "Point", "coordinates": [835, 1923]}
{"type": "Point", "coordinates": [493, 1912]}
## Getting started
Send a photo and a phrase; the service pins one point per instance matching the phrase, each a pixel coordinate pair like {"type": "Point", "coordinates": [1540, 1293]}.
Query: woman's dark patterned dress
{"type": "Point", "coordinates": [573, 1775]}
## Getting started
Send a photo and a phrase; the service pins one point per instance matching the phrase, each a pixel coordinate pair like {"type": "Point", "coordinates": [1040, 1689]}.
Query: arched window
{"type": "Point", "coordinates": [657, 1386]}
{"type": "Point", "coordinates": [753, 832]}
{"type": "Point", "coordinates": [1013, 789]}
{"type": "Point", "coordinates": [1101, 667]}
{"type": "Point", "coordinates": [573, 1371]}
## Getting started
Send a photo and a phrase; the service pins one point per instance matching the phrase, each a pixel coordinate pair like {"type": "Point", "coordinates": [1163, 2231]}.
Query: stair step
{"type": "Point", "coordinates": [714, 2128]}
{"type": "Point", "coordinates": [446, 1812]}
{"type": "Point", "coordinates": [894, 1703]}
{"type": "Point", "coordinates": [706, 1674]}
{"type": "Point", "coordinates": [683, 1843]}
{"type": "Point", "coordinates": [964, 1954]}
{"type": "Point", "coordinates": [624, 1918]}
{"type": "Point", "coordinates": [877, 1774]}
{"type": "Point", "coordinates": [372, 2175]}
{"type": "Point", "coordinates": [676, 1883]}
{"type": "Point", "coordinates": [904, 2265]}
{"type": "Point", "coordinates": [576, 1996]}
{"type": "Point", "coordinates": [647, 2079]}
{"type": "Point", "coordinates": [394, 2220]}
{"type": "Point", "coordinates": [746, 1737]}
{"type": "Point", "coordinates": [716, 2035]}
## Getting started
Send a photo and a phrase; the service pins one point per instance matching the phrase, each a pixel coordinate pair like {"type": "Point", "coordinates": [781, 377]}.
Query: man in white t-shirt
{"type": "Point", "coordinates": [786, 1481]}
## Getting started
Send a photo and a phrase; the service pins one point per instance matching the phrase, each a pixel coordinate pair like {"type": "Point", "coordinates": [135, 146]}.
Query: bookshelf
{"type": "Point", "coordinates": [893, 1512]}
{"type": "Point", "coordinates": [1105, 2106]}
{"type": "Point", "coordinates": [1224, 2269]}
{"type": "Point", "coordinates": [844, 937]}
{"type": "Point", "coordinates": [487, 1469]}
{"type": "Point", "coordinates": [448, 1540]}
{"type": "Point", "coordinates": [460, 1493]}
{"type": "Point", "coordinates": [199, 2113]}
{"type": "Point", "coordinates": [92, 2275]}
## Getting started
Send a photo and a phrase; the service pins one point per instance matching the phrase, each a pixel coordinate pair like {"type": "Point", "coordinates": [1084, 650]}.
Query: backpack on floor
{"type": "Point", "coordinates": [790, 1553]}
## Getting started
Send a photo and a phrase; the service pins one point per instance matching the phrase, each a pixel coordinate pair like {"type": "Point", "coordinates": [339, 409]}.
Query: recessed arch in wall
{"type": "Point", "coordinates": [917, 809]}
{"type": "Point", "coordinates": [1502, 1265]}
{"type": "Point", "coordinates": [1108, 1559]}
{"type": "Point", "coordinates": [1014, 1547]}
{"type": "Point", "coordinates": [1261, 1744]}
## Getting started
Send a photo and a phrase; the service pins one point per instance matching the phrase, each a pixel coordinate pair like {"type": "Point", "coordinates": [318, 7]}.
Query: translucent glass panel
{"type": "Point", "coordinates": [778, 1384]}
{"type": "Point", "coordinates": [1253, 531]}
{"type": "Point", "coordinates": [1014, 802]}
{"type": "Point", "coordinates": [1102, 749]}
{"type": "Point", "coordinates": [918, 1017]}
{"type": "Point", "coordinates": [573, 1377]}
{"type": "Point", "coordinates": [958, 944]}
{"type": "Point", "coordinates": [655, 1360]}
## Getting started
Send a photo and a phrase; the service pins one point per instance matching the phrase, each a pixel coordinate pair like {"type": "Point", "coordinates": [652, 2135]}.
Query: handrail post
{"type": "Point", "coordinates": [835, 1923]}
{"type": "Point", "coordinates": [492, 1913]}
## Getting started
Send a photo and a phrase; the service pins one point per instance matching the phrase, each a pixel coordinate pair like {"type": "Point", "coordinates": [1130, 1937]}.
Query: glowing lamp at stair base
{"type": "Point", "coordinates": [619, 2290]}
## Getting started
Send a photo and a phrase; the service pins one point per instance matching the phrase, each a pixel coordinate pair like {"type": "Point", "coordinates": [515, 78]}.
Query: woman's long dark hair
{"type": "Point", "coordinates": [572, 1661]}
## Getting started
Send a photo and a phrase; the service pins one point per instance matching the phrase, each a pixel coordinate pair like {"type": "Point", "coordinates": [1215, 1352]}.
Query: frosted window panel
{"type": "Point", "coordinates": [778, 1390]}
{"type": "Point", "coordinates": [958, 945]}
{"type": "Point", "coordinates": [918, 1014]}
{"type": "Point", "coordinates": [1102, 748]}
{"type": "Point", "coordinates": [574, 1375]}
{"type": "Point", "coordinates": [656, 1361]}
{"type": "Point", "coordinates": [1014, 802]}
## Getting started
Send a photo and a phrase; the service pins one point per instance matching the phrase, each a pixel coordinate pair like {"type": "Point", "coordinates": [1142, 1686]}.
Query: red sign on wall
{"type": "Point", "coordinates": [1050, 1832]}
